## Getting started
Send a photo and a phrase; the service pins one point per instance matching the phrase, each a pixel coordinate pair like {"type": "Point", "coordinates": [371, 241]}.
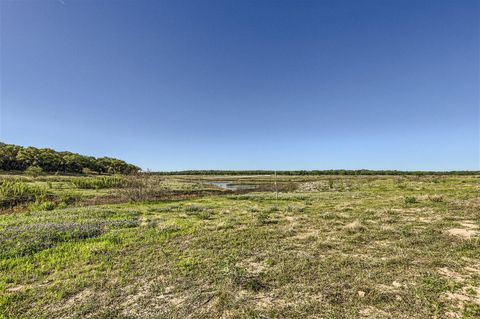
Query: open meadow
{"type": "Point", "coordinates": [239, 159]}
{"type": "Point", "coordinates": [174, 246]}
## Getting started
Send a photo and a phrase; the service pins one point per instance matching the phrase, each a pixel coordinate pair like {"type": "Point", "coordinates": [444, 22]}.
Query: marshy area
{"type": "Point", "coordinates": [222, 246]}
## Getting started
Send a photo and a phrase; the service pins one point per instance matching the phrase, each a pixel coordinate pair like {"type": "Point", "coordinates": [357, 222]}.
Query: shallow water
{"type": "Point", "coordinates": [232, 186]}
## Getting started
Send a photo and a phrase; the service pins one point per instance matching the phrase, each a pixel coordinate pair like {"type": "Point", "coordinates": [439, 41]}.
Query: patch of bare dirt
{"type": "Point", "coordinates": [469, 224]}
{"type": "Point", "coordinates": [254, 266]}
{"type": "Point", "coordinates": [468, 230]}
{"type": "Point", "coordinates": [467, 294]}
{"type": "Point", "coordinates": [394, 287]}
{"type": "Point", "coordinates": [451, 274]}
{"type": "Point", "coordinates": [269, 300]}
{"type": "Point", "coordinates": [372, 312]}
{"type": "Point", "coordinates": [145, 301]}
{"type": "Point", "coordinates": [428, 220]}
{"type": "Point", "coordinates": [16, 288]}
{"type": "Point", "coordinates": [293, 222]}
{"type": "Point", "coordinates": [466, 203]}
{"type": "Point", "coordinates": [462, 233]}
{"type": "Point", "coordinates": [473, 269]}
{"type": "Point", "coordinates": [306, 234]}
{"type": "Point", "coordinates": [78, 298]}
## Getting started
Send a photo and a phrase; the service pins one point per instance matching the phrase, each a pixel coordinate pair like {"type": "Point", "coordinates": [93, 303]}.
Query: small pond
{"type": "Point", "coordinates": [232, 186]}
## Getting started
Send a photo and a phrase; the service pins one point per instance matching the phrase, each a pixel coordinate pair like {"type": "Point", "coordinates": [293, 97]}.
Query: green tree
{"type": "Point", "coordinates": [8, 157]}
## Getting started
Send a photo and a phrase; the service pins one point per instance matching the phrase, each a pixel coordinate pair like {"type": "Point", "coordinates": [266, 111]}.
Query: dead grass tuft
{"type": "Point", "coordinates": [355, 227]}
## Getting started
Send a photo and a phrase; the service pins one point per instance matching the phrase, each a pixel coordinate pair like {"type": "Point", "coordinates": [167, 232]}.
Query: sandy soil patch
{"type": "Point", "coordinates": [145, 302]}
{"type": "Point", "coordinates": [468, 231]}
{"type": "Point", "coordinates": [462, 233]}
{"type": "Point", "coordinates": [451, 274]}
{"type": "Point", "coordinates": [372, 312]}
{"type": "Point", "coordinates": [467, 294]}
{"type": "Point", "coordinates": [16, 288]}
{"type": "Point", "coordinates": [254, 266]}
{"type": "Point", "coordinates": [469, 225]}
{"type": "Point", "coordinates": [428, 220]}
{"type": "Point", "coordinates": [306, 234]}
{"type": "Point", "coordinates": [78, 298]}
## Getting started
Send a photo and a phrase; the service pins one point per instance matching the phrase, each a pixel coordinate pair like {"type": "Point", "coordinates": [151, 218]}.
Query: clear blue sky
{"type": "Point", "coordinates": [170, 85]}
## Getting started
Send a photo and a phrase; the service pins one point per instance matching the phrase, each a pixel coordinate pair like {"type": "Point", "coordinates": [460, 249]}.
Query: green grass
{"type": "Point", "coordinates": [15, 192]}
{"type": "Point", "coordinates": [351, 248]}
{"type": "Point", "coordinates": [28, 193]}
{"type": "Point", "coordinates": [99, 182]}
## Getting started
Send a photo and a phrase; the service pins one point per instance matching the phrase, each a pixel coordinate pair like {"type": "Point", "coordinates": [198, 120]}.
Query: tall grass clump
{"type": "Point", "coordinates": [14, 192]}
{"type": "Point", "coordinates": [99, 182]}
{"type": "Point", "coordinates": [410, 200]}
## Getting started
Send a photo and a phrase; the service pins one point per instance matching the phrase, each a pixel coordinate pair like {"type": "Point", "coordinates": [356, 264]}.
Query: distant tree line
{"type": "Point", "coordinates": [18, 158]}
{"type": "Point", "coordinates": [317, 172]}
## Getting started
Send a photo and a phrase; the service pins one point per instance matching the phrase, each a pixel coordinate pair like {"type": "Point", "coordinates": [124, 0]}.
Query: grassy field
{"type": "Point", "coordinates": [328, 247]}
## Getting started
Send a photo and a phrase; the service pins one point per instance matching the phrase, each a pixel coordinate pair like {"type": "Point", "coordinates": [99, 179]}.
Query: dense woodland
{"type": "Point", "coordinates": [18, 158]}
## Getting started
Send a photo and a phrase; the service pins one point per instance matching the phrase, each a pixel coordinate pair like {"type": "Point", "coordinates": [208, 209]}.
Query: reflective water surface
{"type": "Point", "coordinates": [232, 186]}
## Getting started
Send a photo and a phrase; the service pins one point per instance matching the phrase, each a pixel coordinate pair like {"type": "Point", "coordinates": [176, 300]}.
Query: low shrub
{"type": "Point", "coordinates": [34, 171]}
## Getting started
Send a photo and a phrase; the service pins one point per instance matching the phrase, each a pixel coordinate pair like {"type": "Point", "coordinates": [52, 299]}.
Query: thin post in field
{"type": "Point", "coordinates": [276, 189]}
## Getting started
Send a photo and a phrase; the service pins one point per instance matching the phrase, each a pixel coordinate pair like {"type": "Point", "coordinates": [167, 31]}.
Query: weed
{"type": "Point", "coordinates": [263, 218]}
{"type": "Point", "coordinates": [206, 214]}
{"type": "Point", "coordinates": [410, 200]}
{"type": "Point", "coordinates": [186, 264]}
{"type": "Point", "coordinates": [99, 182]}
